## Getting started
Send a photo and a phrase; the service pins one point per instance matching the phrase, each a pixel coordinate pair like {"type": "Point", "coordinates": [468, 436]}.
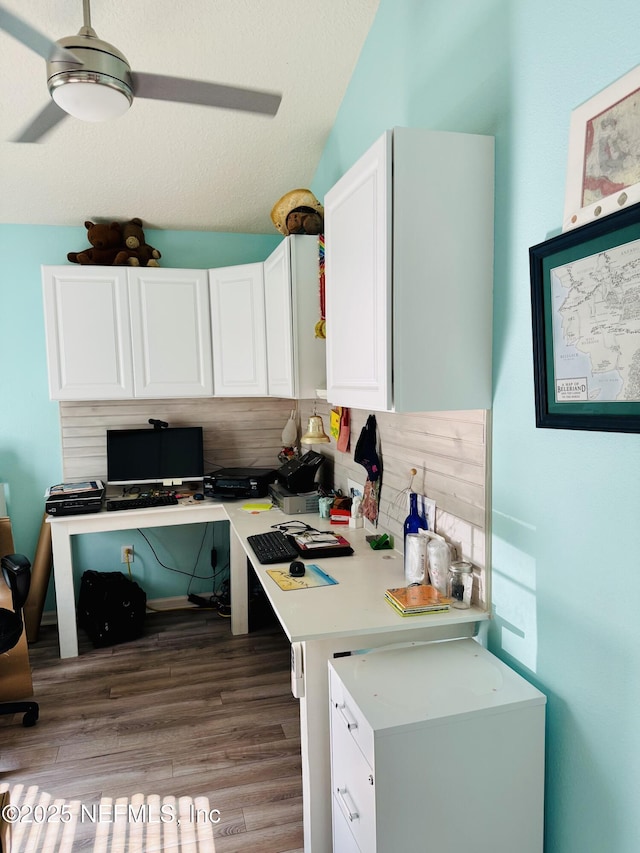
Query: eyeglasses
{"type": "Point", "coordinates": [293, 527]}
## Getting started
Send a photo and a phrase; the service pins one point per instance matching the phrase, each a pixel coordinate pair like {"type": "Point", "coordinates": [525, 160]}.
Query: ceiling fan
{"type": "Point", "coordinates": [91, 79]}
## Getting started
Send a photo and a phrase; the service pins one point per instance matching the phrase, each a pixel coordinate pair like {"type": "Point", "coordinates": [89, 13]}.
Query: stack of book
{"type": "Point", "coordinates": [417, 598]}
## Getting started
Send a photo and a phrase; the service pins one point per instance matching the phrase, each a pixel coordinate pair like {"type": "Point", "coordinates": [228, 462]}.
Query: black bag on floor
{"type": "Point", "coordinates": [111, 607]}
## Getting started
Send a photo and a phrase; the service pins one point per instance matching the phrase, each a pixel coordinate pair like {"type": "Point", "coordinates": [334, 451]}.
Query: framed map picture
{"type": "Point", "coordinates": [585, 299]}
{"type": "Point", "coordinates": [603, 172]}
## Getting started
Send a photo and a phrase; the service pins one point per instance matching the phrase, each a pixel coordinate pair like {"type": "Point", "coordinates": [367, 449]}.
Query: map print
{"type": "Point", "coordinates": [596, 327]}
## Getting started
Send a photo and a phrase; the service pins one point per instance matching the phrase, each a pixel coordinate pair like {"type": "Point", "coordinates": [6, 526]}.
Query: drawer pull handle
{"type": "Point", "coordinates": [347, 804]}
{"type": "Point", "coordinates": [350, 721]}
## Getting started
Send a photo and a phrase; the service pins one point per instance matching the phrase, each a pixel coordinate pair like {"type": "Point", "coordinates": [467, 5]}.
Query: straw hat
{"type": "Point", "coordinates": [291, 201]}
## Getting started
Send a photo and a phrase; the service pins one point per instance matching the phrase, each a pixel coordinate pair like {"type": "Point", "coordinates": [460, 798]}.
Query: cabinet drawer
{"type": "Point", "coordinates": [352, 784]}
{"type": "Point", "coordinates": [343, 840]}
{"type": "Point", "coordinates": [345, 714]}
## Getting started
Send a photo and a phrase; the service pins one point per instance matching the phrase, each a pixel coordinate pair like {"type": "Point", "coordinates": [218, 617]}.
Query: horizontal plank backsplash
{"type": "Point", "coordinates": [449, 450]}
{"type": "Point", "coordinates": [237, 431]}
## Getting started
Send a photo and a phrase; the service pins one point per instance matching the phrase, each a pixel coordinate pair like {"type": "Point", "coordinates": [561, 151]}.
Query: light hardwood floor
{"type": "Point", "coordinates": [187, 711]}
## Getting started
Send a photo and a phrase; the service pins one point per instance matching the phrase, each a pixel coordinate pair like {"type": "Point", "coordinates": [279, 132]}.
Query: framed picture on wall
{"type": "Point", "coordinates": [603, 170]}
{"type": "Point", "coordinates": [585, 299]}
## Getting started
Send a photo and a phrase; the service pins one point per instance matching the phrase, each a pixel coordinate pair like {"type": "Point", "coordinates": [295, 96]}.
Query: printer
{"type": "Point", "coordinates": [239, 482]}
{"type": "Point", "coordinates": [74, 498]}
{"type": "Point", "coordinates": [295, 489]}
{"type": "Point", "coordinates": [299, 475]}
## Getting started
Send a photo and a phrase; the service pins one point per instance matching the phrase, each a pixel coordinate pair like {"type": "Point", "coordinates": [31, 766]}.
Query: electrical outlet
{"type": "Point", "coordinates": [124, 551]}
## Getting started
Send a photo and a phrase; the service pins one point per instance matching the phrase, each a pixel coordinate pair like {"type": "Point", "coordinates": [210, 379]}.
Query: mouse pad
{"type": "Point", "coordinates": [314, 576]}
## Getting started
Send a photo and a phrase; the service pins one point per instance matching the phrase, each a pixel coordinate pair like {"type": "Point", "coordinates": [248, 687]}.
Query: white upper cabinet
{"type": "Point", "coordinates": [130, 332]}
{"type": "Point", "coordinates": [238, 331]}
{"type": "Point", "coordinates": [118, 333]}
{"type": "Point", "coordinates": [87, 333]}
{"type": "Point", "coordinates": [171, 332]}
{"type": "Point", "coordinates": [295, 357]}
{"type": "Point", "coordinates": [409, 274]}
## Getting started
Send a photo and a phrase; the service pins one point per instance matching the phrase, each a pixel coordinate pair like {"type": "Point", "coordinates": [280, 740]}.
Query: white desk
{"type": "Point", "coordinates": [319, 622]}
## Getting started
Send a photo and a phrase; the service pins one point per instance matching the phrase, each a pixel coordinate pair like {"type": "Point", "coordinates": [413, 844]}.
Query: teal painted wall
{"type": "Point", "coordinates": [30, 458]}
{"type": "Point", "coordinates": [565, 503]}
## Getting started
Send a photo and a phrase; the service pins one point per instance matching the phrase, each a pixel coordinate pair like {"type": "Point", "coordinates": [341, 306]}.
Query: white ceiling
{"type": "Point", "coordinates": [179, 166]}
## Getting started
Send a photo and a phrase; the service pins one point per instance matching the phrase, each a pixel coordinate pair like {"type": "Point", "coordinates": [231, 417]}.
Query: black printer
{"type": "Point", "coordinates": [298, 475]}
{"type": "Point", "coordinates": [239, 482]}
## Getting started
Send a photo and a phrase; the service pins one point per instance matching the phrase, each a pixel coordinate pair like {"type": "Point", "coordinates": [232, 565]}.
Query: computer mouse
{"type": "Point", "coordinates": [297, 569]}
{"type": "Point", "coordinates": [198, 496]}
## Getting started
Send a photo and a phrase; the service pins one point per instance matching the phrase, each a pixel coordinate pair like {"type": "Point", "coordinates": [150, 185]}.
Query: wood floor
{"type": "Point", "coordinates": [187, 717]}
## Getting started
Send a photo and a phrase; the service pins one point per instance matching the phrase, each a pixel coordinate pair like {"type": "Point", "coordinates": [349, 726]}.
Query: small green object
{"type": "Point", "coordinates": [380, 543]}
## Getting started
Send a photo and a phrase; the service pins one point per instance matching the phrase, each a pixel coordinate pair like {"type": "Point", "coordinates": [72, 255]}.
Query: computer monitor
{"type": "Point", "coordinates": [164, 456]}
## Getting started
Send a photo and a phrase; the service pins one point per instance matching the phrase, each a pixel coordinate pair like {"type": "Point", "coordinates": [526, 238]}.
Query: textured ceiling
{"type": "Point", "coordinates": [179, 166]}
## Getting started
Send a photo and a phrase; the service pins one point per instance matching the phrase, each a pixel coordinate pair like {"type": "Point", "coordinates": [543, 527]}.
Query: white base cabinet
{"type": "Point", "coordinates": [435, 748]}
{"type": "Point", "coordinates": [409, 274]}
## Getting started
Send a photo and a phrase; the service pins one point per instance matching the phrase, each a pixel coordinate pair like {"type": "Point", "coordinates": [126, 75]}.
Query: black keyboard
{"type": "Point", "coordinates": [273, 547]}
{"type": "Point", "coordinates": [142, 503]}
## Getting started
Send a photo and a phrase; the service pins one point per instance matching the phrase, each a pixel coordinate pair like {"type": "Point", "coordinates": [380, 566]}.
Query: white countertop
{"type": "Point", "coordinates": [356, 604]}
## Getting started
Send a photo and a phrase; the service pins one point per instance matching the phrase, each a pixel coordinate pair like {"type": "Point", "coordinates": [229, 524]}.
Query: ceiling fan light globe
{"type": "Point", "coordinates": [90, 99]}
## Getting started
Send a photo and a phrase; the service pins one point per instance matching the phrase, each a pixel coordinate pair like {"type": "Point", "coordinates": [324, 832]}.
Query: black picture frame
{"type": "Point", "coordinates": [585, 286]}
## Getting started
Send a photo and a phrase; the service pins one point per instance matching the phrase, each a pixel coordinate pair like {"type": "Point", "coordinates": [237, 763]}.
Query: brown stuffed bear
{"type": "Point", "coordinates": [298, 212]}
{"type": "Point", "coordinates": [136, 252]}
{"type": "Point", "coordinates": [106, 242]}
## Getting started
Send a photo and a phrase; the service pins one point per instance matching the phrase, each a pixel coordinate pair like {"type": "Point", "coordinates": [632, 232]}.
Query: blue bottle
{"type": "Point", "coordinates": [414, 521]}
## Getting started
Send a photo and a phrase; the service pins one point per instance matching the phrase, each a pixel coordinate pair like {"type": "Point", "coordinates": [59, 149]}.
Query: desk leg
{"type": "Point", "coordinates": [65, 595]}
{"type": "Point", "coordinates": [315, 747]}
{"type": "Point", "coordinates": [239, 583]}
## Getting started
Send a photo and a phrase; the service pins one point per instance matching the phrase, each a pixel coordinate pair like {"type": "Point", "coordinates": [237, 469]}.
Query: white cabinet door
{"type": "Point", "coordinates": [295, 357]}
{"type": "Point", "coordinates": [358, 272]}
{"type": "Point", "coordinates": [171, 332]}
{"type": "Point", "coordinates": [238, 331]}
{"type": "Point", "coordinates": [279, 322]}
{"type": "Point", "coordinates": [87, 333]}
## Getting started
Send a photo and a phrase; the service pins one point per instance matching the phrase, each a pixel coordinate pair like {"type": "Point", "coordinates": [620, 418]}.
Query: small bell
{"type": "Point", "coordinates": [315, 433]}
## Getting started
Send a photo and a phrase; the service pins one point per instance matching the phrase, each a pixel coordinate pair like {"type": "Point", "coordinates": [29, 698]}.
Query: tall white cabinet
{"type": "Point", "coordinates": [122, 332]}
{"type": "Point", "coordinates": [409, 274]}
{"type": "Point", "coordinates": [435, 747]}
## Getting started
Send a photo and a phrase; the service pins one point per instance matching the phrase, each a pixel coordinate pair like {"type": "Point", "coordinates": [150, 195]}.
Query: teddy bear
{"type": "Point", "coordinates": [298, 212]}
{"type": "Point", "coordinates": [136, 252]}
{"type": "Point", "coordinates": [106, 242]}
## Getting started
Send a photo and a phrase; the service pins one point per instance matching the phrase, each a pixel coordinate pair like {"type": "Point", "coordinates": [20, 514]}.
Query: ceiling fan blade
{"type": "Point", "coordinates": [45, 121]}
{"type": "Point", "coordinates": [34, 39]}
{"type": "Point", "coordinates": [164, 88]}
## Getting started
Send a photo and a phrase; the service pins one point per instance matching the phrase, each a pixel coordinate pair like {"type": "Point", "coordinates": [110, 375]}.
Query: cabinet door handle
{"type": "Point", "coordinates": [349, 720]}
{"type": "Point", "coordinates": [346, 804]}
